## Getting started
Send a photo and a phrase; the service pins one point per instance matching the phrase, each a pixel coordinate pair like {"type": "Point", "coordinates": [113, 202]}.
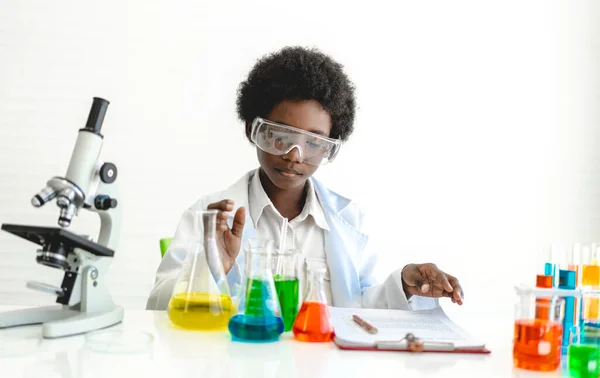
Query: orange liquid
{"type": "Point", "coordinates": [542, 305]}
{"type": "Point", "coordinates": [542, 309]}
{"type": "Point", "coordinates": [312, 323]}
{"type": "Point", "coordinates": [537, 344]}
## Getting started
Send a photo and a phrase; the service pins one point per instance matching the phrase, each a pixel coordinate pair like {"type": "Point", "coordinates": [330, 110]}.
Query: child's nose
{"type": "Point", "coordinates": [295, 154]}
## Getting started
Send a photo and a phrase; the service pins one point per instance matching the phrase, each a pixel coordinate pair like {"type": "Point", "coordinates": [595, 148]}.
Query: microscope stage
{"type": "Point", "coordinates": [45, 236]}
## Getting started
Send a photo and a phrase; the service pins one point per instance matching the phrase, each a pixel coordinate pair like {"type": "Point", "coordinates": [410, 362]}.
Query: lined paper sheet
{"type": "Point", "coordinates": [393, 325]}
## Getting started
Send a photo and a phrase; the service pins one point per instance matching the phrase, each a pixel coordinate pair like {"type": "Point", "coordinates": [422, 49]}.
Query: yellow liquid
{"type": "Point", "coordinates": [201, 311]}
{"type": "Point", "coordinates": [591, 277]}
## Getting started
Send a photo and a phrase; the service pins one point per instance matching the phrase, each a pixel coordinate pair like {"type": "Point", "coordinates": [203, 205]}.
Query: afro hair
{"type": "Point", "coordinates": [297, 73]}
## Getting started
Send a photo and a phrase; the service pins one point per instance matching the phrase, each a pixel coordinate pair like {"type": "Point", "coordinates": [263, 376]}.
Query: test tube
{"type": "Point", "coordinates": [542, 308]}
{"type": "Point", "coordinates": [556, 259]}
{"type": "Point", "coordinates": [590, 280]}
{"type": "Point", "coordinates": [550, 264]}
{"type": "Point", "coordinates": [594, 252]}
{"type": "Point", "coordinates": [567, 281]}
{"type": "Point", "coordinates": [575, 264]}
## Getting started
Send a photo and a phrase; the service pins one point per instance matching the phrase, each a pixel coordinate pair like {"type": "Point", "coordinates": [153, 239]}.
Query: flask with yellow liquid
{"type": "Point", "coordinates": [201, 299]}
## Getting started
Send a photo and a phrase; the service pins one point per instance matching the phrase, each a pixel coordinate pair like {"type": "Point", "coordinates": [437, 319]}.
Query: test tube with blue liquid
{"type": "Point", "coordinates": [575, 264]}
{"type": "Point", "coordinates": [556, 259]}
{"type": "Point", "coordinates": [567, 280]}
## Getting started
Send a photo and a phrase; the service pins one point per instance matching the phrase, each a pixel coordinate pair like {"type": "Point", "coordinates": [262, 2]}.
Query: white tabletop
{"type": "Point", "coordinates": [200, 354]}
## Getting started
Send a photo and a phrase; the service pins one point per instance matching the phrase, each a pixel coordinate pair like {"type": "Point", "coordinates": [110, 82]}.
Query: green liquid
{"type": "Point", "coordinates": [584, 360]}
{"type": "Point", "coordinates": [258, 299]}
{"type": "Point", "coordinates": [287, 291]}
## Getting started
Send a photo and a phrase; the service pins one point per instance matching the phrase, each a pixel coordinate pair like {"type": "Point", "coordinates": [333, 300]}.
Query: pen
{"type": "Point", "coordinates": [364, 324]}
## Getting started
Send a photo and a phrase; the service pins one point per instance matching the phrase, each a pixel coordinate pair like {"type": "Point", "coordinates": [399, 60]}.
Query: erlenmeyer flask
{"type": "Point", "coordinates": [201, 298]}
{"type": "Point", "coordinates": [259, 313]}
{"type": "Point", "coordinates": [313, 322]}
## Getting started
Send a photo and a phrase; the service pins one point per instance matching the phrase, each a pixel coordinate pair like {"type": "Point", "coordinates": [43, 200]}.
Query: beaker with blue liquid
{"type": "Point", "coordinates": [259, 313]}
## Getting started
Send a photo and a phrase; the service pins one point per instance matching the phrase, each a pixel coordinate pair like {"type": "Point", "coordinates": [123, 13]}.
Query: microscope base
{"type": "Point", "coordinates": [60, 321]}
{"type": "Point", "coordinates": [83, 322]}
{"type": "Point", "coordinates": [34, 315]}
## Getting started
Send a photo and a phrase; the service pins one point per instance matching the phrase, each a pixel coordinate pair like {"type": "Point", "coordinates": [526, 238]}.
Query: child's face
{"type": "Point", "coordinates": [287, 171]}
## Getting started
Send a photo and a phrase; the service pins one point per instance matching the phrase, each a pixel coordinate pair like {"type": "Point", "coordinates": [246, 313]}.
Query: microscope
{"type": "Point", "coordinates": [83, 301]}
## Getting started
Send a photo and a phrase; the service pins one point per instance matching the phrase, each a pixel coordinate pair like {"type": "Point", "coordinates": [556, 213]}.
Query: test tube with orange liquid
{"type": "Point", "coordinates": [313, 322]}
{"type": "Point", "coordinates": [541, 308]}
{"type": "Point", "coordinates": [538, 331]}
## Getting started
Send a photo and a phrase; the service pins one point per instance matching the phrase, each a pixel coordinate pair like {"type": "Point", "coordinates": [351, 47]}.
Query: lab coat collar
{"type": "Point", "coordinates": [258, 200]}
{"type": "Point", "coordinates": [327, 198]}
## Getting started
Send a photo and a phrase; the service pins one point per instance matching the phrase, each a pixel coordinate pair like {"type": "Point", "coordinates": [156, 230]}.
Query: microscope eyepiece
{"type": "Point", "coordinates": [96, 116]}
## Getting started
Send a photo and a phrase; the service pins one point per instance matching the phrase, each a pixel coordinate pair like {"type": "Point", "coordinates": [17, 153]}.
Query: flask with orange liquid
{"type": "Point", "coordinates": [313, 322]}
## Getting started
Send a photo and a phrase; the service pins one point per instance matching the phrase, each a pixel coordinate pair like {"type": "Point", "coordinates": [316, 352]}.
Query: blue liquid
{"type": "Point", "coordinates": [550, 269]}
{"type": "Point", "coordinates": [255, 328]}
{"type": "Point", "coordinates": [591, 333]}
{"type": "Point", "coordinates": [567, 281]}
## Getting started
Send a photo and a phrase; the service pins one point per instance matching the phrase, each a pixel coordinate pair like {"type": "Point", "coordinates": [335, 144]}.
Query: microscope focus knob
{"type": "Point", "coordinates": [108, 173]}
{"type": "Point", "coordinates": [104, 202]}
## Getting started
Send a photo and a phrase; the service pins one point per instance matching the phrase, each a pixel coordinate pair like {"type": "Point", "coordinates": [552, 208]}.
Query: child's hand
{"type": "Point", "coordinates": [427, 280]}
{"type": "Point", "coordinates": [228, 239]}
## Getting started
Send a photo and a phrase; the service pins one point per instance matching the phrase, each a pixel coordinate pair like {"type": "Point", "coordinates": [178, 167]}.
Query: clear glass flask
{"type": "Point", "coordinates": [538, 330]}
{"type": "Point", "coordinates": [259, 314]}
{"type": "Point", "coordinates": [584, 352]}
{"type": "Point", "coordinates": [313, 322]}
{"type": "Point", "coordinates": [201, 299]}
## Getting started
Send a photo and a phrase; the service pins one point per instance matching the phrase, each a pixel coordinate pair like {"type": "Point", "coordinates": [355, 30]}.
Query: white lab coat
{"type": "Point", "coordinates": [350, 256]}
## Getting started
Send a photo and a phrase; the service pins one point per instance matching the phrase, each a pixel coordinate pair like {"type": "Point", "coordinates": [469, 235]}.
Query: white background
{"type": "Point", "coordinates": [477, 136]}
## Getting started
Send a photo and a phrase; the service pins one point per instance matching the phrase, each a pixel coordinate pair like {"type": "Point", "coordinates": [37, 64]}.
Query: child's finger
{"type": "Point", "coordinates": [223, 216]}
{"type": "Point", "coordinates": [238, 222]}
{"type": "Point", "coordinates": [222, 226]}
{"type": "Point", "coordinates": [459, 295]}
{"type": "Point", "coordinates": [443, 280]}
{"type": "Point", "coordinates": [223, 205]}
{"type": "Point", "coordinates": [413, 278]}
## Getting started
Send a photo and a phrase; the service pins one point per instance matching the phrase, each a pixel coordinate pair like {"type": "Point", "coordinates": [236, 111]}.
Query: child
{"type": "Point", "coordinates": [298, 107]}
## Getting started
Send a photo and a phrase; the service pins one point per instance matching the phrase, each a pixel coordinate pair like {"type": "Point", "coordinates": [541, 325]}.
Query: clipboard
{"type": "Point", "coordinates": [398, 332]}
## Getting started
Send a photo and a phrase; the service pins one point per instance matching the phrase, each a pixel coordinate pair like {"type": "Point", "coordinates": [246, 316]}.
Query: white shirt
{"type": "Point", "coordinates": [306, 232]}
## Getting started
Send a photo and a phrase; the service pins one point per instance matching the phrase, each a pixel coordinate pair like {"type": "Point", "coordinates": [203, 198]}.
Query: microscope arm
{"type": "Point", "coordinates": [104, 202]}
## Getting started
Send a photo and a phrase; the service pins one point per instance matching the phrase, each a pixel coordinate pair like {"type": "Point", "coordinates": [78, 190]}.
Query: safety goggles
{"type": "Point", "coordinates": [277, 139]}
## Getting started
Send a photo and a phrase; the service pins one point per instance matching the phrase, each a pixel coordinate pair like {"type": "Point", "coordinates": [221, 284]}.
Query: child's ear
{"type": "Point", "coordinates": [248, 130]}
